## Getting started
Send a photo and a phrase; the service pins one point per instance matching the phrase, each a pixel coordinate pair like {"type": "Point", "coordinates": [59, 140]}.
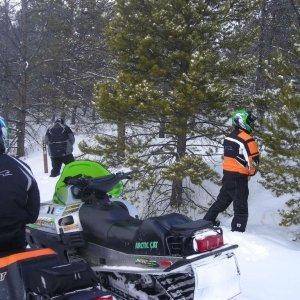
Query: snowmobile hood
{"type": "Point", "coordinates": [84, 168]}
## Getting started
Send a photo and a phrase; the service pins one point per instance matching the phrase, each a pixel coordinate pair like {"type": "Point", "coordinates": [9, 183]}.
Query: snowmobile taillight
{"type": "Point", "coordinates": [165, 263]}
{"type": "Point", "coordinates": [207, 240]}
{"type": "Point", "coordinates": [107, 297]}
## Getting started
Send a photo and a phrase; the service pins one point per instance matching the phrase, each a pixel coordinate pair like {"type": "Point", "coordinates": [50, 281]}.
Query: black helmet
{"type": "Point", "coordinates": [60, 120]}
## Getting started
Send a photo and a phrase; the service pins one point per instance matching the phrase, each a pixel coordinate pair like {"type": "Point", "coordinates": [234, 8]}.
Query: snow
{"type": "Point", "coordinates": [270, 268]}
{"type": "Point", "coordinates": [269, 261]}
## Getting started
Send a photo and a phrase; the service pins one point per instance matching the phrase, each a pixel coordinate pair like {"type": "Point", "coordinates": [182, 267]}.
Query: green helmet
{"type": "Point", "coordinates": [243, 119]}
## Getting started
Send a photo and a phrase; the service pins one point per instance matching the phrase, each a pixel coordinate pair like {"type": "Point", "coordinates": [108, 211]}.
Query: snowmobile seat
{"type": "Point", "coordinates": [121, 235]}
{"type": "Point", "coordinates": [188, 228]}
{"type": "Point", "coordinates": [109, 225]}
{"type": "Point", "coordinates": [173, 219]}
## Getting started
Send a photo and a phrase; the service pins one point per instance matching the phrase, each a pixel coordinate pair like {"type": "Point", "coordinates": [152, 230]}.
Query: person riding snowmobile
{"type": "Point", "coordinates": [60, 140]}
{"type": "Point", "coordinates": [241, 160]}
{"type": "Point", "coordinates": [19, 198]}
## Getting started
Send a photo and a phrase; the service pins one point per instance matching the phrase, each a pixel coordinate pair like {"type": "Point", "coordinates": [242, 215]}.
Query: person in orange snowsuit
{"type": "Point", "coordinates": [241, 160]}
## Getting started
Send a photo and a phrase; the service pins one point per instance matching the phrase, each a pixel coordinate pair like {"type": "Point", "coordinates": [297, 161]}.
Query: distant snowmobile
{"type": "Point", "coordinates": [167, 257]}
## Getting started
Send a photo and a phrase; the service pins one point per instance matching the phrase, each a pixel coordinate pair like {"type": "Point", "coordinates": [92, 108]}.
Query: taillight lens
{"type": "Point", "coordinates": [165, 263]}
{"type": "Point", "coordinates": [207, 240]}
{"type": "Point", "coordinates": [108, 297]}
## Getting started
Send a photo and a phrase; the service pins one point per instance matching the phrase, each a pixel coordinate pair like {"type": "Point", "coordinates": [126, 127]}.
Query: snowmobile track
{"type": "Point", "coordinates": [168, 287]}
{"type": "Point", "coordinates": [178, 286]}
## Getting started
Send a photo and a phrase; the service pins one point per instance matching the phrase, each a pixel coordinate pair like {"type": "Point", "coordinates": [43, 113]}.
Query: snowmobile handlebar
{"type": "Point", "coordinates": [102, 184]}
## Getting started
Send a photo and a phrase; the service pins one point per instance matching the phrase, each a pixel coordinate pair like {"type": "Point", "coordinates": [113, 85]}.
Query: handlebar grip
{"type": "Point", "coordinates": [124, 175]}
{"type": "Point", "coordinates": [80, 182]}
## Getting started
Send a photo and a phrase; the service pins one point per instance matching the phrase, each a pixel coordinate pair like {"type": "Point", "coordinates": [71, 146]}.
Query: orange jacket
{"type": "Point", "coordinates": [241, 153]}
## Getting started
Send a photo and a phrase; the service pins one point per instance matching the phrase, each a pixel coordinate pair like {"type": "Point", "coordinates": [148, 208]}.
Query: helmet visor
{"type": "Point", "coordinates": [251, 120]}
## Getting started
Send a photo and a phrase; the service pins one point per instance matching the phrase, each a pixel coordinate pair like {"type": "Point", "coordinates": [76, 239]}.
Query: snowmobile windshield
{"type": "Point", "coordinates": [82, 168]}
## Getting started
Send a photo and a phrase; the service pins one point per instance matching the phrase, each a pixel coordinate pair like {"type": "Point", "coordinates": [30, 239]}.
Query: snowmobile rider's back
{"type": "Point", "coordinates": [19, 198]}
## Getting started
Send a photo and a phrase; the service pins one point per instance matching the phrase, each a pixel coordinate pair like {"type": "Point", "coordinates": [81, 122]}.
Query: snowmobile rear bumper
{"type": "Point", "coordinates": [145, 264]}
{"type": "Point", "coordinates": [210, 276]}
{"type": "Point", "coordinates": [193, 258]}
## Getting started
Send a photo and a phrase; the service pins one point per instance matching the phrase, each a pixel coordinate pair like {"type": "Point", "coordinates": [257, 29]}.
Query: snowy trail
{"type": "Point", "coordinates": [269, 262]}
{"type": "Point", "coordinates": [270, 270]}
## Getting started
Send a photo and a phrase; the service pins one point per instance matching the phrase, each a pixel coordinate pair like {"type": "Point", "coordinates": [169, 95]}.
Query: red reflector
{"type": "Point", "coordinates": [107, 297]}
{"type": "Point", "coordinates": [165, 263]}
{"type": "Point", "coordinates": [207, 242]}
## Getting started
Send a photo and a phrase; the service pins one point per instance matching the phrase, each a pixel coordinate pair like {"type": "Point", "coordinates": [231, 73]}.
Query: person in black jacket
{"type": "Point", "coordinates": [60, 140]}
{"type": "Point", "coordinates": [19, 199]}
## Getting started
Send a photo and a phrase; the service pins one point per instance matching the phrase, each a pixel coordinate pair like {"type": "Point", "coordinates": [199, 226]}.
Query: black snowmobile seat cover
{"type": "Point", "coordinates": [108, 224]}
{"type": "Point", "coordinates": [170, 220]}
{"type": "Point", "coordinates": [194, 225]}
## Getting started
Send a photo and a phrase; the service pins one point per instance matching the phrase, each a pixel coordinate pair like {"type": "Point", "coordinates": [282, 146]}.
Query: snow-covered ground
{"type": "Point", "coordinates": [268, 259]}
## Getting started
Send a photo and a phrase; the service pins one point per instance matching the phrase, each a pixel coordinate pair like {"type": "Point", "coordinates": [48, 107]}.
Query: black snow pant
{"type": "Point", "coordinates": [234, 189]}
{"type": "Point", "coordinates": [57, 163]}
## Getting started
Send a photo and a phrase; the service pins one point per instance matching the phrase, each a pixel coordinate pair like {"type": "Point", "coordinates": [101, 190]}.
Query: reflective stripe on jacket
{"type": "Point", "coordinates": [241, 153]}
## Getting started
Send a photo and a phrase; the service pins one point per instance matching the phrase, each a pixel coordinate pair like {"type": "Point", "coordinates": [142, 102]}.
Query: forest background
{"type": "Point", "coordinates": [154, 83]}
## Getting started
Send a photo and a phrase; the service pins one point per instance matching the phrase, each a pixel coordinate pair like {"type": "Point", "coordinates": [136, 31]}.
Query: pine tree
{"type": "Point", "coordinates": [51, 54]}
{"type": "Point", "coordinates": [281, 137]}
{"type": "Point", "coordinates": [281, 101]}
{"type": "Point", "coordinates": [180, 63]}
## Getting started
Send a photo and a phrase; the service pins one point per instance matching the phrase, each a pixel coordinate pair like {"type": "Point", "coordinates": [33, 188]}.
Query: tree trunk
{"type": "Point", "coordinates": [85, 109]}
{"type": "Point", "coordinates": [74, 115]}
{"type": "Point", "coordinates": [177, 188]}
{"type": "Point", "coordinates": [259, 84]}
{"type": "Point", "coordinates": [21, 123]}
{"type": "Point", "coordinates": [162, 129]}
{"type": "Point", "coordinates": [94, 114]}
{"type": "Point", "coordinates": [121, 140]}
{"type": "Point", "coordinates": [21, 127]}
{"type": "Point", "coordinates": [177, 192]}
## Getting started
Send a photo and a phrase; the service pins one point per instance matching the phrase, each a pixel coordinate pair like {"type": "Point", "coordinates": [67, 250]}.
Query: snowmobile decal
{"type": "Point", "coordinates": [72, 227]}
{"type": "Point", "coordinates": [147, 262]}
{"type": "Point", "coordinates": [72, 208]}
{"type": "Point", "coordinates": [146, 245]}
{"type": "Point", "coordinates": [2, 276]}
{"type": "Point", "coordinates": [46, 223]}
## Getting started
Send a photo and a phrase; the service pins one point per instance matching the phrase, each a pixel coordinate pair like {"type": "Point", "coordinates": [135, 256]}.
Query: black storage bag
{"type": "Point", "coordinates": [60, 279]}
{"type": "Point", "coordinates": [11, 284]}
{"type": "Point", "coordinates": [12, 279]}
